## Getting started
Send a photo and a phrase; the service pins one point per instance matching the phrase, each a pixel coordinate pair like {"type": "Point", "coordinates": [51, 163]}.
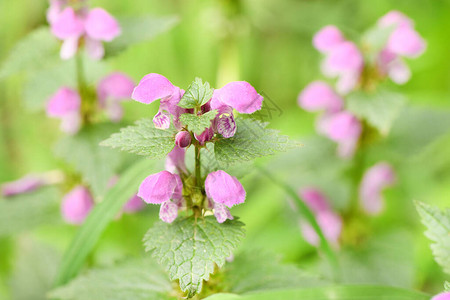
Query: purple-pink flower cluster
{"type": "Point", "coordinates": [345, 61]}
{"type": "Point", "coordinates": [76, 25]}
{"type": "Point", "coordinates": [173, 188]}
{"type": "Point", "coordinates": [65, 104]}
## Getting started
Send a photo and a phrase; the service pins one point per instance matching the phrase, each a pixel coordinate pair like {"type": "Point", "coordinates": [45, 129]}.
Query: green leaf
{"type": "Point", "coordinates": [196, 123]}
{"type": "Point", "coordinates": [29, 210]}
{"type": "Point", "coordinates": [37, 50]}
{"type": "Point", "coordinates": [188, 248]}
{"type": "Point", "coordinates": [143, 139]}
{"type": "Point", "coordinates": [438, 224]}
{"type": "Point", "coordinates": [197, 94]}
{"type": "Point", "coordinates": [96, 164]}
{"type": "Point", "coordinates": [252, 140]}
{"type": "Point", "coordinates": [136, 279]}
{"type": "Point", "coordinates": [379, 110]}
{"type": "Point", "coordinates": [310, 218]}
{"type": "Point", "coordinates": [447, 286]}
{"type": "Point", "coordinates": [331, 293]}
{"type": "Point", "coordinates": [256, 270]}
{"type": "Point", "coordinates": [99, 218]}
{"type": "Point", "coordinates": [138, 29]}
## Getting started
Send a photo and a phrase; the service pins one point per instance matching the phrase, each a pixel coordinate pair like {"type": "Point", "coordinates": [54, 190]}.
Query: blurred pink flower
{"type": "Point", "coordinates": [112, 90]}
{"type": "Point", "coordinates": [327, 38]}
{"type": "Point", "coordinates": [25, 184]}
{"type": "Point", "coordinates": [318, 96]}
{"type": "Point", "coordinates": [70, 25]}
{"type": "Point", "coordinates": [76, 205]}
{"type": "Point", "coordinates": [442, 296]}
{"type": "Point", "coordinates": [395, 18]}
{"type": "Point", "coordinates": [374, 181]}
{"type": "Point", "coordinates": [65, 104]}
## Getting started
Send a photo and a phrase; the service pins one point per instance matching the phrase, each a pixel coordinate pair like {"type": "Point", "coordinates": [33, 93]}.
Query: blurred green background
{"type": "Point", "coordinates": [267, 43]}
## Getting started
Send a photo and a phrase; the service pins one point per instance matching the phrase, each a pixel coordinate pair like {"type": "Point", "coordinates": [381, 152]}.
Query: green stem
{"type": "Point", "coordinates": [80, 74]}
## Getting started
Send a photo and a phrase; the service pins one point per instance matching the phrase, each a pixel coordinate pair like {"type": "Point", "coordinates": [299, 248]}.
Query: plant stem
{"type": "Point", "coordinates": [80, 74]}
{"type": "Point", "coordinates": [198, 167]}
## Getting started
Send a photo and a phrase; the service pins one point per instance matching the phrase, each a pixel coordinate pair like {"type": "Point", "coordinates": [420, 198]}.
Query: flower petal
{"type": "Point", "coordinates": [158, 188]}
{"type": "Point", "coordinates": [225, 189]}
{"type": "Point", "coordinates": [67, 25]}
{"type": "Point", "coordinates": [94, 48]}
{"type": "Point", "coordinates": [175, 160]}
{"type": "Point", "coordinates": [69, 48]}
{"type": "Point", "coordinates": [327, 38]}
{"type": "Point", "coordinates": [168, 212]}
{"type": "Point", "coordinates": [63, 102]}
{"type": "Point", "coordinates": [25, 184]}
{"type": "Point", "coordinates": [407, 42]}
{"type": "Point", "coordinates": [76, 205]}
{"type": "Point", "coordinates": [100, 25]}
{"type": "Point", "coordinates": [153, 87]}
{"type": "Point", "coordinates": [240, 95]}
{"type": "Point", "coordinates": [222, 213]}
{"type": "Point", "coordinates": [133, 205]}
{"type": "Point", "coordinates": [116, 85]}
{"type": "Point", "coordinates": [317, 96]}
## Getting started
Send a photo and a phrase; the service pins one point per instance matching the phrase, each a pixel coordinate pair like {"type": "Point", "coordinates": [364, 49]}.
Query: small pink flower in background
{"type": "Point", "coordinates": [319, 96]}
{"type": "Point", "coordinates": [94, 26]}
{"type": "Point", "coordinates": [23, 185]}
{"type": "Point", "coordinates": [163, 188]}
{"type": "Point", "coordinates": [135, 204]}
{"type": "Point", "coordinates": [330, 223]}
{"type": "Point", "coordinates": [111, 91]}
{"type": "Point", "coordinates": [76, 205]}
{"type": "Point", "coordinates": [223, 191]}
{"type": "Point", "coordinates": [65, 104]}
{"type": "Point", "coordinates": [442, 296]}
{"type": "Point", "coordinates": [328, 38]}
{"type": "Point", "coordinates": [343, 128]}
{"type": "Point", "coordinates": [374, 181]}
{"type": "Point", "coordinates": [395, 18]}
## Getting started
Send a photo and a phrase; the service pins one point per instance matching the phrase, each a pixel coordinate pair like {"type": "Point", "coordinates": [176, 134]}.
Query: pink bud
{"type": "Point", "coordinates": [374, 181]}
{"type": "Point", "coordinates": [158, 188]}
{"type": "Point", "coordinates": [205, 136]}
{"type": "Point", "coordinates": [76, 205]}
{"type": "Point", "coordinates": [183, 139]}
{"type": "Point", "coordinates": [225, 189]}
{"type": "Point", "coordinates": [327, 38]}
{"type": "Point", "coordinates": [319, 96]}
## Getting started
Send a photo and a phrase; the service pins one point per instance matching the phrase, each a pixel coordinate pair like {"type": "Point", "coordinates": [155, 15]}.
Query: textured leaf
{"type": "Point", "coordinates": [99, 218]}
{"type": "Point", "coordinates": [198, 124]}
{"type": "Point", "coordinates": [438, 224]}
{"type": "Point", "coordinates": [379, 110]}
{"type": "Point", "coordinates": [26, 211]}
{"type": "Point", "coordinates": [137, 280]}
{"type": "Point", "coordinates": [252, 140]}
{"type": "Point", "coordinates": [197, 94]}
{"type": "Point", "coordinates": [37, 50]}
{"type": "Point", "coordinates": [143, 139]}
{"type": "Point", "coordinates": [189, 249]}
{"type": "Point", "coordinates": [255, 271]}
{"type": "Point", "coordinates": [34, 267]}
{"type": "Point", "coordinates": [139, 29]}
{"type": "Point", "coordinates": [96, 164]}
{"type": "Point", "coordinates": [331, 293]}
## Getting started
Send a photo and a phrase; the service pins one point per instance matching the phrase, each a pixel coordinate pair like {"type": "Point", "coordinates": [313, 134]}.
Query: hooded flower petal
{"type": "Point", "coordinates": [63, 102]}
{"type": "Point", "coordinates": [67, 25]}
{"type": "Point", "coordinates": [25, 184]}
{"type": "Point", "coordinates": [374, 181]}
{"type": "Point", "coordinates": [153, 87]}
{"type": "Point", "coordinates": [175, 160]}
{"type": "Point", "coordinates": [407, 42]}
{"type": "Point", "coordinates": [327, 38]}
{"type": "Point", "coordinates": [317, 96]}
{"type": "Point", "coordinates": [168, 212]}
{"type": "Point", "coordinates": [222, 213]}
{"type": "Point", "coordinates": [330, 224]}
{"type": "Point", "coordinates": [225, 189]}
{"type": "Point", "coordinates": [116, 85]}
{"type": "Point", "coordinates": [343, 58]}
{"type": "Point", "coordinates": [205, 136]}
{"type": "Point", "coordinates": [100, 25]}
{"type": "Point", "coordinates": [76, 205]}
{"type": "Point", "coordinates": [240, 95]}
{"type": "Point", "coordinates": [158, 188]}
{"type": "Point", "coordinates": [133, 205]}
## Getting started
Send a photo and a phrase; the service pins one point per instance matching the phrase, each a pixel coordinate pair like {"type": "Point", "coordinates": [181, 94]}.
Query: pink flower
{"type": "Point", "coordinates": [221, 212]}
{"type": "Point", "coordinates": [374, 181]}
{"type": "Point", "coordinates": [113, 89]}
{"type": "Point", "coordinates": [343, 128]}
{"type": "Point", "coordinates": [76, 205]}
{"type": "Point", "coordinates": [155, 86]}
{"type": "Point", "coordinates": [442, 296]}
{"type": "Point", "coordinates": [224, 189]}
{"type": "Point", "coordinates": [183, 139]}
{"type": "Point", "coordinates": [329, 222]}
{"type": "Point", "coordinates": [175, 160]}
{"type": "Point", "coordinates": [393, 66]}
{"type": "Point", "coordinates": [94, 26]}
{"type": "Point", "coordinates": [317, 96]}
{"type": "Point", "coordinates": [163, 188]}
{"type": "Point", "coordinates": [327, 38]}
{"type": "Point", "coordinates": [239, 95]}
{"type": "Point", "coordinates": [395, 18]}
{"type": "Point", "coordinates": [25, 184]}
{"type": "Point", "coordinates": [133, 205]}
{"type": "Point", "coordinates": [405, 41]}
{"type": "Point", "coordinates": [65, 104]}
{"type": "Point", "coordinates": [346, 62]}
{"type": "Point", "coordinates": [205, 136]}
